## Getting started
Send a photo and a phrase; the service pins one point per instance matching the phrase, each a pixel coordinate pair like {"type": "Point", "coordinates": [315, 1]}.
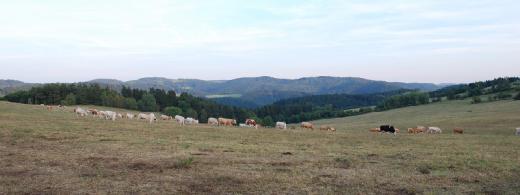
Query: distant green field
{"type": "Point", "coordinates": [54, 152]}
{"type": "Point", "coordinates": [489, 118]}
{"type": "Point", "coordinates": [224, 96]}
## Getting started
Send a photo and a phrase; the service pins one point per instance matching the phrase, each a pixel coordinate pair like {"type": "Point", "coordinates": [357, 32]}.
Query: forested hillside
{"type": "Point", "coordinates": [152, 100]}
{"type": "Point", "coordinates": [258, 91]}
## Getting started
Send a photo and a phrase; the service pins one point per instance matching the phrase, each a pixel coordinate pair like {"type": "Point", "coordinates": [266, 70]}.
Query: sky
{"type": "Point", "coordinates": [439, 41]}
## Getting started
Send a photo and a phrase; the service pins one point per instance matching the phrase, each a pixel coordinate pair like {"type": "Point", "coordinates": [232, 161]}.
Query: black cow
{"type": "Point", "coordinates": [387, 129]}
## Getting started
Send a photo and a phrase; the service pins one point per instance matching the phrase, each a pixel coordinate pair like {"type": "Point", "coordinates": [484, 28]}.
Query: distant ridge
{"type": "Point", "coordinates": [256, 91]}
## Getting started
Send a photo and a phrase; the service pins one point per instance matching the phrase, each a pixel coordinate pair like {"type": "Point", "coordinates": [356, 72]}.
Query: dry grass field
{"type": "Point", "coordinates": [55, 152]}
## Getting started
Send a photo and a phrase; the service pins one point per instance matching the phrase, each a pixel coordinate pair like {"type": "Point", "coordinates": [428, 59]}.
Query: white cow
{"type": "Point", "coordinates": [434, 130]}
{"type": "Point", "coordinates": [150, 117]}
{"type": "Point", "coordinates": [119, 115]}
{"type": "Point", "coordinates": [102, 114]}
{"type": "Point", "coordinates": [191, 121]}
{"type": "Point", "coordinates": [212, 121]}
{"type": "Point", "coordinates": [110, 115]}
{"type": "Point", "coordinates": [281, 125]}
{"type": "Point", "coordinates": [180, 119]}
{"type": "Point", "coordinates": [80, 112]}
{"type": "Point", "coordinates": [129, 115]}
{"type": "Point", "coordinates": [164, 117]}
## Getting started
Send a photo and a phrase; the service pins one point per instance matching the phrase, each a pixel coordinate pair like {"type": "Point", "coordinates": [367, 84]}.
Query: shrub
{"type": "Point", "coordinates": [517, 97]}
{"type": "Point", "coordinates": [503, 96]}
{"type": "Point", "coordinates": [476, 100]}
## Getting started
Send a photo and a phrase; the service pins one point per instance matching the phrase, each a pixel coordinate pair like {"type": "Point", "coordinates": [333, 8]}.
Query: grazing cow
{"type": "Point", "coordinates": [327, 128]}
{"type": "Point", "coordinates": [307, 125]}
{"type": "Point", "coordinates": [93, 112]}
{"type": "Point", "coordinates": [129, 116]}
{"type": "Point", "coordinates": [102, 114]}
{"type": "Point", "coordinates": [458, 131]}
{"type": "Point", "coordinates": [433, 130]}
{"type": "Point", "coordinates": [119, 115]}
{"type": "Point", "coordinates": [80, 112]}
{"type": "Point", "coordinates": [164, 117]}
{"type": "Point", "coordinates": [387, 129]}
{"type": "Point", "coordinates": [212, 121]}
{"type": "Point", "coordinates": [149, 117]}
{"type": "Point", "coordinates": [281, 125]}
{"type": "Point", "coordinates": [251, 122]}
{"type": "Point", "coordinates": [518, 131]}
{"type": "Point", "coordinates": [110, 115]}
{"type": "Point", "coordinates": [191, 121]}
{"type": "Point", "coordinates": [375, 130]}
{"type": "Point", "coordinates": [180, 119]}
{"type": "Point", "coordinates": [226, 122]}
{"type": "Point", "coordinates": [418, 129]}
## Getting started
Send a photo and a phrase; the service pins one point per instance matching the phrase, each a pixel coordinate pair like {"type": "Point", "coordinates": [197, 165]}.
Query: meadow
{"type": "Point", "coordinates": [55, 152]}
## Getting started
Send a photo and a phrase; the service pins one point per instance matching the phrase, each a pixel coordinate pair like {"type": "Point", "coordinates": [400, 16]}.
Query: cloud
{"type": "Point", "coordinates": [269, 33]}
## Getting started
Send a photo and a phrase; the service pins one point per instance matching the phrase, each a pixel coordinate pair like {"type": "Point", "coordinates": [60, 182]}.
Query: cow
{"type": "Point", "coordinates": [129, 116]}
{"type": "Point", "coordinates": [119, 115]}
{"type": "Point", "coordinates": [165, 118]}
{"type": "Point", "coordinates": [110, 115]}
{"type": "Point", "coordinates": [518, 131]}
{"type": "Point", "coordinates": [49, 108]}
{"type": "Point", "coordinates": [433, 130]}
{"type": "Point", "coordinates": [251, 122]}
{"type": "Point", "coordinates": [307, 125]}
{"type": "Point", "coordinates": [327, 128]}
{"type": "Point", "coordinates": [212, 121]}
{"type": "Point", "coordinates": [80, 112]}
{"type": "Point", "coordinates": [149, 117]}
{"type": "Point", "coordinates": [191, 121]}
{"type": "Point", "coordinates": [226, 122]}
{"type": "Point", "coordinates": [102, 114]}
{"type": "Point", "coordinates": [458, 131]}
{"type": "Point", "coordinates": [180, 119]}
{"type": "Point", "coordinates": [281, 125]}
{"type": "Point", "coordinates": [387, 129]}
{"type": "Point", "coordinates": [418, 129]}
{"type": "Point", "coordinates": [93, 112]}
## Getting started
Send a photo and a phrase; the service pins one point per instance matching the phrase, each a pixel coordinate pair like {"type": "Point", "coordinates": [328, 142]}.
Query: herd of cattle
{"type": "Point", "coordinates": [249, 123]}
{"type": "Point", "coordinates": [418, 129]}
{"type": "Point", "coordinates": [150, 117]}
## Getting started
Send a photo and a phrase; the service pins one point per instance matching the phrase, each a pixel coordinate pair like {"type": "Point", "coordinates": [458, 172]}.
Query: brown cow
{"type": "Point", "coordinates": [307, 125]}
{"type": "Point", "coordinates": [458, 131]}
{"type": "Point", "coordinates": [94, 112]}
{"type": "Point", "coordinates": [418, 129]}
{"type": "Point", "coordinates": [327, 128]}
{"type": "Point", "coordinates": [251, 122]}
{"type": "Point", "coordinates": [226, 122]}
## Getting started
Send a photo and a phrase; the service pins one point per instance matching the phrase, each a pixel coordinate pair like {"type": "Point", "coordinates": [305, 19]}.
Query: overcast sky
{"type": "Point", "coordinates": [395, 40]}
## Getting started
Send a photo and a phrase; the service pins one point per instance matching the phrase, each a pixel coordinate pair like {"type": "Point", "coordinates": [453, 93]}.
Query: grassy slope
{"type": "Point", "coordinates": [55, 152]}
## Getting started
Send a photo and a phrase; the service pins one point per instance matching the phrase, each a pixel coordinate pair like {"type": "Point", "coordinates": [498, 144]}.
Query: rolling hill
{"type": "Point", "coordinates": [262, 90]}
